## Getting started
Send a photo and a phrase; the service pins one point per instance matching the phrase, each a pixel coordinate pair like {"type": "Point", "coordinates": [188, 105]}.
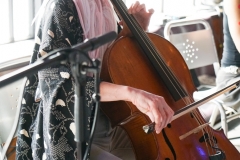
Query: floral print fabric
{"type": "Point", "coordinates": [46, 125]}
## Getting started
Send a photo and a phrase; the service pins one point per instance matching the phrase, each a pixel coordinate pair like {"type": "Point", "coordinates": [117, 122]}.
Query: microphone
{"type": "Point", "coordinates": [52, 58]}
{"type": "Point", "coordinates": [96, 42]}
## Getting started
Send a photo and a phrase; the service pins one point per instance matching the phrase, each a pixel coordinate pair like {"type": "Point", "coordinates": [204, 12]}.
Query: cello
{"type": "Point", "coordinates": [136, 53]}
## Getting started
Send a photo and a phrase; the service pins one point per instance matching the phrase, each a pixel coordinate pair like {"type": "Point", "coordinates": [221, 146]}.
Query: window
{"type": "Point", "coordinates": [178, 8]}
{"type": "Point", "coordinates": [15, 19]}
{"type": "Point", "coordinates": [16, 31]}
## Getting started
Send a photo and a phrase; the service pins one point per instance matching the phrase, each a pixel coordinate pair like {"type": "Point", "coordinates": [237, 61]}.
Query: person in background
{"type": "Point", "coordinates": [229, 71]}
{"type": "Point", "coordinates": [46, 124]}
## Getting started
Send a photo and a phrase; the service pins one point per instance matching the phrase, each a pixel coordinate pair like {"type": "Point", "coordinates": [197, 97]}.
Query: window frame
{"type": "Point", "coordinates": [34, 6]}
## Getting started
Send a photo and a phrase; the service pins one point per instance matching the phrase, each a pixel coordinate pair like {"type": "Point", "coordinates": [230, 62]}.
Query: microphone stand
{"type": "Point", "coordinates": [78, 57]}
{"type": "Point", "coordinates": [80, 68]}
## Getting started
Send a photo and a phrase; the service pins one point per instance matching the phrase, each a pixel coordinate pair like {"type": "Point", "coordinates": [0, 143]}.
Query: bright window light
{"type": "Point", "coordinates": [4, 22]}
{"type": "Point", "coordinates": [178, 8]}
{"type": "Point", "coordinates": [22, 17]}
{"type": "Point", "coordinates": [15, 20]}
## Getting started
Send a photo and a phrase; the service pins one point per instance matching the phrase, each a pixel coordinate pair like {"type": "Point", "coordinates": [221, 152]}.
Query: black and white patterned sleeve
{"type": "Point", "coordinates": [60, 27]}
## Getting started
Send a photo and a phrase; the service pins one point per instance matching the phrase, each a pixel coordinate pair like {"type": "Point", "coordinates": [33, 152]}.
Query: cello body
{"type": "Point", "coordinates": [126, 65]}
{"type": "Point", "coordinates": [149, 62]}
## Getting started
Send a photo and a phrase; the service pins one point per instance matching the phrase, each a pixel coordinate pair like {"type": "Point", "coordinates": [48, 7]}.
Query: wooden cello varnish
{"type": "Point", "coordinates": [126, 63]}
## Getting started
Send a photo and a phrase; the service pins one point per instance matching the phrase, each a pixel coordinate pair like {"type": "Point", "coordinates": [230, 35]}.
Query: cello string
{"type": "Point", "coordinates": [196, 114]}
{"type": "Point", "coordinates": [198, 117]}
{"type": "Point", "coordinates": [149, 44]}
{"type": "Point", "coordinates": [142, 35]}
{"type": "Point", "coordinates": [155, 54]}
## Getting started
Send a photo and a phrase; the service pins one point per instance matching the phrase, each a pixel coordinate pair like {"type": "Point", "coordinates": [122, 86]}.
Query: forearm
{"type": "Point", "coordinates": [114, 92]}
{"type": "Point", "coordinates": [152, 105]}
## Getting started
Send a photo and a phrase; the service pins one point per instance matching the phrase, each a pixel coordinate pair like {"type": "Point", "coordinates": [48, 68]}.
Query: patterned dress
{"type": "Point", "coordinates": [46, 124]}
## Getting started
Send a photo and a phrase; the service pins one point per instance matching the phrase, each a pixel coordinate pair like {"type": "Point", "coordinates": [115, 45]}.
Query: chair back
{"type": "Point", "coordinates": [10, 100]}
{"type": "Point", "coordinates": [194, 40]}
